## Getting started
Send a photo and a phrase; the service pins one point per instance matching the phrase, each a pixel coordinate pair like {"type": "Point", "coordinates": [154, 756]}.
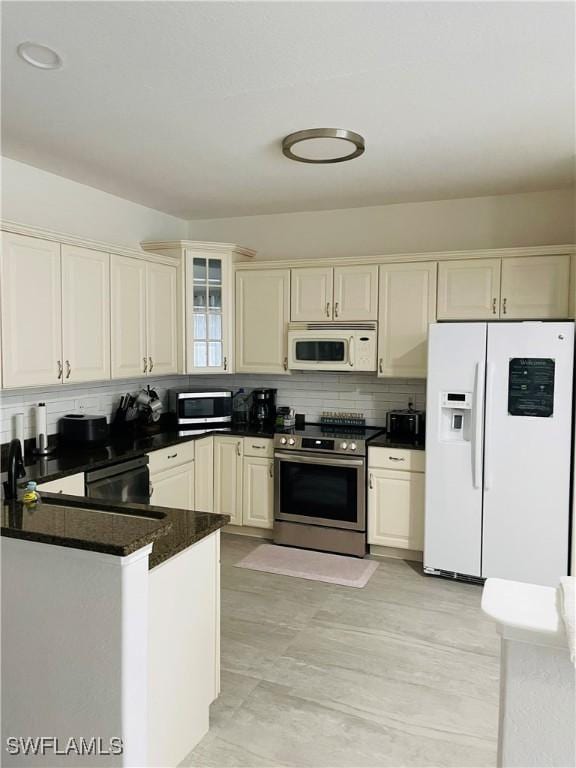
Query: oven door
{"type": "Point", "coordinates": [205, 408]}
{"type": "Point", "coordinates": [319, 350]}
{"type": "Point", "coordinates": [320, 490]}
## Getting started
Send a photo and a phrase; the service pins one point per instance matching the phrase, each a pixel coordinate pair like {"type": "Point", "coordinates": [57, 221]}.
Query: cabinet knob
{"type": "Point", "coordinates": [60, 369]}
{"type": "Point", "coordinates": [145, 364]}
{"type": "Point", "coordinates": [151, 364]}
{"type": "Point", "coordinates": [68, 369]}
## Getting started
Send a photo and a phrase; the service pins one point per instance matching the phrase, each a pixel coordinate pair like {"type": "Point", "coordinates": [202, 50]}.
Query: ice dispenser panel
{"type": "Point", "coordinates": [456, 416]}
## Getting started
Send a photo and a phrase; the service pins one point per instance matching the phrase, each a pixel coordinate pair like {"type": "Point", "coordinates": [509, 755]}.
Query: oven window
{"type": "Point", "coordinates": [204, 407]}
{"type": "Point", "coordinates": [321, 351]}
{"type": "Point", "coordinates": [316, 490]}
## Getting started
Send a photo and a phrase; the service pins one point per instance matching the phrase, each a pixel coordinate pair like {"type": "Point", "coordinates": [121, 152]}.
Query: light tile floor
{"type": "Point", "coordinates": [401, 673]}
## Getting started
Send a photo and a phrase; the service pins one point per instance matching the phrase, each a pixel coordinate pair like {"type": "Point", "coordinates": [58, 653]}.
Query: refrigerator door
{"type": "Point", "coordinates": [454, 445]}
{"type": "Point", "coordinates": [528, 451]}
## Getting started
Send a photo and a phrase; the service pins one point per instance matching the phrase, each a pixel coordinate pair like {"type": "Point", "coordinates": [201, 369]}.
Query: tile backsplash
{"type": "Point", "coordinates": [309, 393]}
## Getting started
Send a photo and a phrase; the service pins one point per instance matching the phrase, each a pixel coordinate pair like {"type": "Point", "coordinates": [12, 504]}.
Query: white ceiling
{"type": "Point", "coordinates": [182, 106]}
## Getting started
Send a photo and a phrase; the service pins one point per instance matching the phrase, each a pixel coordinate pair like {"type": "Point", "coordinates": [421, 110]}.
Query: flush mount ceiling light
{"type": "Point", "coordinates": [39, 56]}
{"type": "Point", "coordinates": [323, 145]}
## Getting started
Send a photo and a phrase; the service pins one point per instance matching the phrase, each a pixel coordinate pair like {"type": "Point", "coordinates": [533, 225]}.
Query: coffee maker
{"type": "Point", "coordinates": [263, 412]}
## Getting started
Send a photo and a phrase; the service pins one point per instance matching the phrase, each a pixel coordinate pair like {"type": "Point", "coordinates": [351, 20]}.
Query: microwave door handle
{"type": "Point", "coordinates": [351, 351]}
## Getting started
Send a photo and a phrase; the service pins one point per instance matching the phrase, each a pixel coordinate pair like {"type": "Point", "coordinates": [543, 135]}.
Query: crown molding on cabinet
{"type": "Point", "coordinates": [95, 245]}
{"type": "Point", "coordinates": [391, 258]}
{"type": "Point", "coordinates": [198, 246]}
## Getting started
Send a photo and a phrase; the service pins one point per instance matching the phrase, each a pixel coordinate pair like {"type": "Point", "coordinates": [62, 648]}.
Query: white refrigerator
{"type": "Point", "coordinates": [498, 450]}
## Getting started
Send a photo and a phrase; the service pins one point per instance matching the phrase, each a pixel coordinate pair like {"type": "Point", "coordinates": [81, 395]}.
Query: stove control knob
{"type": "Point", "coordinates": [283, 441]}
{"type": "Point", "coordinates": [291, 441]}
{"type": "Point", "coordinates": [353, 446]}
{"type": "Point", "coordinates": [343, 446]}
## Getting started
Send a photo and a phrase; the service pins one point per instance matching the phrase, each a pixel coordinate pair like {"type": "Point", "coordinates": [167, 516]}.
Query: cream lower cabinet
{"type": "Point", "coordinates": [244, 480]}
{"type": "Point", "coordinates": [407, 305]}
{"type": "Point", "coordinates": [535, 287]}
{"type": "Point", "coordinates": [204, 474]}
{"type": "Point", "coordinates": [396, 500]}
{"type": "Point", "coordinates": [262, 315]}
{"type": "Point", "coordinates": [172, 476]}
{"type": "Point", "coordinates": [469, 289]}
{"type": "Point", "coordinates": [144, 317]}
{"type": "Point", "coordinates": [228, 478]}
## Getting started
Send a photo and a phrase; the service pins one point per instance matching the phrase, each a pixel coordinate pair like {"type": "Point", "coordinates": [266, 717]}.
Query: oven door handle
{"type": "Point", "coordinates": [319, 460]}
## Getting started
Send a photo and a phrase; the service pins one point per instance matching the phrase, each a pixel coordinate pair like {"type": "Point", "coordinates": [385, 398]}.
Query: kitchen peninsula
{"type": "Point", "coordinates": [110, 628]}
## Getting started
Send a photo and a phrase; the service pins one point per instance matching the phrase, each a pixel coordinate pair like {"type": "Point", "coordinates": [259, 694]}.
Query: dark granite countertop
{"type": "Point", "coordinates": [108, 527]}
{"type": "Point", "coordinates": [383, 441]}
{"type": "Point", "coordinates": [68, 460]}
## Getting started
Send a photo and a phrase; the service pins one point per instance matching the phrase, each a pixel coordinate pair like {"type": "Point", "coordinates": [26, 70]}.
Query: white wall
{"type": "Point", "coordinates": [532, 218]}
{"type": "Point", "coordinates": [35, 197]}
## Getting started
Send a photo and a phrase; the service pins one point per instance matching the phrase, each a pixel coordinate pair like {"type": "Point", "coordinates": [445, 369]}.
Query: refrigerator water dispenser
{"type": "Point", "coordinates": [456, 416]}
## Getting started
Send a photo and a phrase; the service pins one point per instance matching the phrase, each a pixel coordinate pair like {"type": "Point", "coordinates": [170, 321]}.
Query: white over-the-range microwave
{"type": "Point", "coordinates": [332, 346]}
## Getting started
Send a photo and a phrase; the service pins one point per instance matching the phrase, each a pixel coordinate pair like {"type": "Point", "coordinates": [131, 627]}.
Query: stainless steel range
{"type": "Point", "coordinates": [320, 489]}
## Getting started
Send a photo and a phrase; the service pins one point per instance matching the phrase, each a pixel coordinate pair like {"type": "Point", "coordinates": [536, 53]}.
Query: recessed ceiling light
{"type": "Point", "coordinates": [39, 56]}
{"type": "Point", "coordinates": [323, 145]}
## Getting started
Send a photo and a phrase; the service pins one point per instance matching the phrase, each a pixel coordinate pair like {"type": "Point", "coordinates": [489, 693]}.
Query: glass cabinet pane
{"type": "Point", "coordinates": [215, 327]}
{"type": "Point", "coordinates": [199, 270]}
{"type": "Point", "coordinates": [199, 326]}
{"type": "Point", "coordinates": [200, 356]}
{"type": "Point", "coordinates": [214, 354]}
{"type": "Point", "coordinates": [215, 298]}
{"type": "Point", "coordinates": [215, 271]}
{"type": "Point", "coordinates": [200, 297]}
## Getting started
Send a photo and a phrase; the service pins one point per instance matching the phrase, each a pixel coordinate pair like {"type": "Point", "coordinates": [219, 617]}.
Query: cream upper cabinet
{"type": "Point", "coordinates": [396, 508]}
{"type": "Point", "coordinates": [258, 492]}
{"type": "Point", "coordinates": [85, 314]}
{"type": "Point", "coordinates": [355, 293]}
{"type": "Point", "coordinates": [204, 480]}
{"type": "Point", "coordinates": [407, 305]}
{"type": "Point", "coordinates": [311, 294]}
{"type": "Point", "coordinates": [469, 289]}
{"type": "Point", "coordinates": [535, 287]}
{"type": "Point", "coordinates": [173, 487]}
{"type": "Point", "coordinates": [31, 311]}
{"type": "Point", "coordinates": [161, 318]}
{"type": "Point", "coordinates": [262, 313]}
{"type": "Point", "coordinates": [128, 317]}
{"type": "Point", "coordinates": [228, 478]}
{"type": "Point", "coordinates": [144, 317]}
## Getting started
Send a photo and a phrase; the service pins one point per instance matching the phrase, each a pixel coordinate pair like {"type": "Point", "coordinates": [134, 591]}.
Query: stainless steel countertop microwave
{"type": "Point", "coordinates": [199, 407]}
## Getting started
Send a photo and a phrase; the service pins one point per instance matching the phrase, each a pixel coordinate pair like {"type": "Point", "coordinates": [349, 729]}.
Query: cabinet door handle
{"type": "Point", "coordinates": [225, 363]}
{"type": "Point", "coordinates": [285, 363]}
{"type": "Point", "coordinates": [494, 302]}
{"type": "Point", "coordinates": [336, 309]}
{"type": "Point", "coordinates": [238, 452]}
{"type": "Point", "coordinates": [327, 309]}
{"type": "Point", "coordinates": [396, 458]}
{"type": "Point", "coordinates": [60, 369]}
{"type": "Point", "coordinates": [371, 481]}
{"type": "Point", "coordinates": [151, 364]}
{"type": "Point", "coordinates": [381, 366]}
{"type": "Point", "coordinates": [145, 363]}
{"type": "Point", "coordinates": [150, 489]}
{"type": "Point", "coordinates": [68, 369]}
{"type": "Point", "coordinates": [271, 470]}
{"type": "Point", "coordinates": [172, 456]}
{"type": "Point", "coordinates": [504, 306]}
{"type": "Point", "coordinates": [260, 447]}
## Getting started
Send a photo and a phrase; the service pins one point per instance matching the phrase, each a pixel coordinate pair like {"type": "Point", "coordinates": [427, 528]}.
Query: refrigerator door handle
{"type": "Point", "coordinates": [487, 426]}
{"type": "Point", "coordinates": [479, 374]}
